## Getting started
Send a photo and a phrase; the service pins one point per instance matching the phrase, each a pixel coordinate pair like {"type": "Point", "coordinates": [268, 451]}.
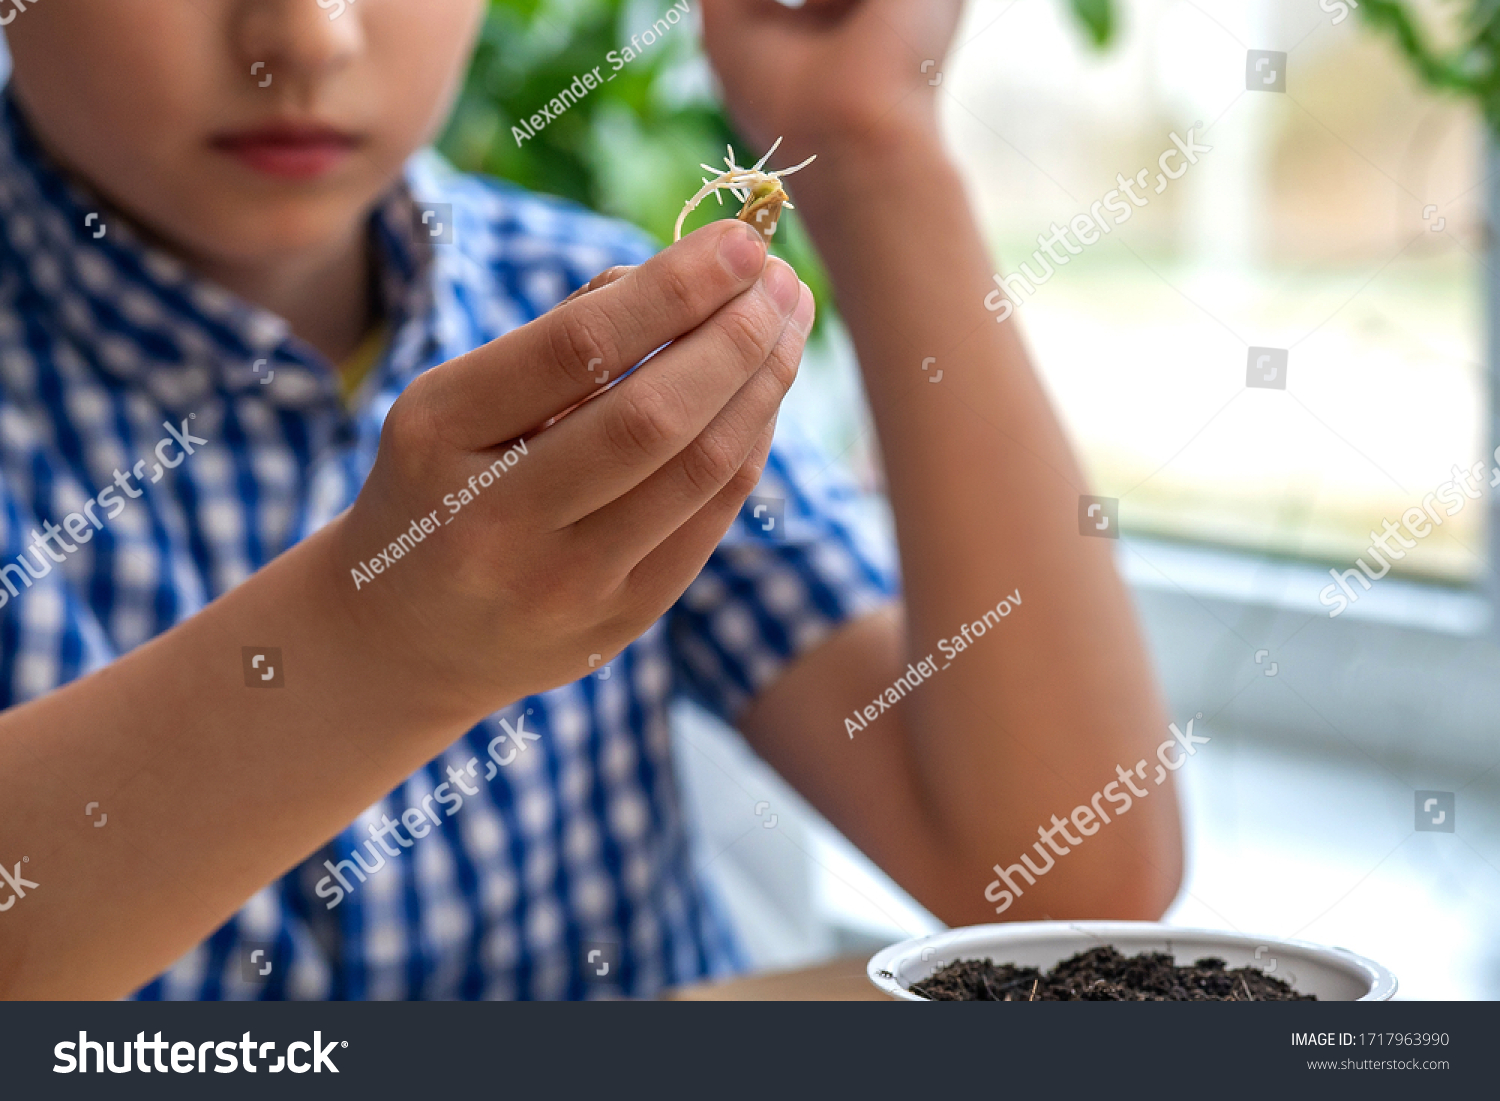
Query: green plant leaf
{"type": "Point", "coordinates": [1469, 69]}
{"type": "Point", "coordinates": [1097, 17]}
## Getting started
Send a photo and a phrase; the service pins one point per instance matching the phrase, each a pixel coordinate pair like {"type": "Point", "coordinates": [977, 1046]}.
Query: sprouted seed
{"type": "Point", "coordinates": [760, 192]}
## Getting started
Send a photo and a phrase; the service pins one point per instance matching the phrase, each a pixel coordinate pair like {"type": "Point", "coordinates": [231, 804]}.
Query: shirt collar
{"type": "Point", "coordinates": [142, 316]}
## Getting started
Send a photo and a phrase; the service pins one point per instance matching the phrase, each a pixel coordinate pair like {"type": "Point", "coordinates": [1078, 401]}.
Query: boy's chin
{"type": "Point", "coordinates": [256, 231]}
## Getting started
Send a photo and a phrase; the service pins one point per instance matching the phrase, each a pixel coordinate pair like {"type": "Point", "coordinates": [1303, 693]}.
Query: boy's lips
{"type": "Point", "coordinates": [289, 150]}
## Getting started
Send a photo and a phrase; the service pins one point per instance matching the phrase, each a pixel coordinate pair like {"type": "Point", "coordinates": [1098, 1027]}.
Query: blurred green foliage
{"type": "Point", "coordinates": [1098, 19]}
{"type": "Point", "coordinates": [632, 147]}
{"type": "Point", "coordinates": [1468, 66]}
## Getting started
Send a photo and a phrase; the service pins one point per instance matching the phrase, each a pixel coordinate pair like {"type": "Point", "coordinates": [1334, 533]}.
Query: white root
{"type": "Point", "coordinates": [740, 182]}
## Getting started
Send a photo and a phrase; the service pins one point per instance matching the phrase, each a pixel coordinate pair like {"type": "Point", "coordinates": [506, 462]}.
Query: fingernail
{"type": "Point", "coordinates": [782, 284]}
{"type": "Point", "coordinates": [742, 251]}
{"type": "Point", "coordinates": [802, 316]}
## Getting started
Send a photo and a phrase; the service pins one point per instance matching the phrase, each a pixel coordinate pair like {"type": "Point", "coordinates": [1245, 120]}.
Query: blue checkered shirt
{"type": "Point", "coordinates": [579, 841]}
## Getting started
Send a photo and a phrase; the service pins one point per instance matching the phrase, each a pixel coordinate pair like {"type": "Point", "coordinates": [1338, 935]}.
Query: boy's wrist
{"type": "Point", "coordinates": [877, 175]}
{"type": "Point", "coordinates": [375, 629]}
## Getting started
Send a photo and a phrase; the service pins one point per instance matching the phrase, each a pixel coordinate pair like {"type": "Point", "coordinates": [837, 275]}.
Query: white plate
{"type": "Point", "coordinates": [1333, 974]}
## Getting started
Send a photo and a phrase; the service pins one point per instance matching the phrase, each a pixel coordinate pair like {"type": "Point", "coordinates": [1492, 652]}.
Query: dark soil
{"type": "Point", "coordinates": [1104, 975]}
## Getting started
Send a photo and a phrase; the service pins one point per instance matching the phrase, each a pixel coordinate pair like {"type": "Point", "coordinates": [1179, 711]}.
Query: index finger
{"type": "Point", "coordinates": [513, 384]}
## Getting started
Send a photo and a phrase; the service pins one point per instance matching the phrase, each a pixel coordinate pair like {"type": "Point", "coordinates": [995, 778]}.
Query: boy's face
{"type": "Point", "coordinates": [241, 131]}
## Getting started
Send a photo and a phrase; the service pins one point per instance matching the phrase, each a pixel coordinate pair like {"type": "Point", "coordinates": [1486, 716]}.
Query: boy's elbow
{"type": "Point", "coordinates": [1144, 897]}
{"type": "Point", "coordinates": [1138, 878]}
{"type": "Point", "coordinates": [1128, 871]}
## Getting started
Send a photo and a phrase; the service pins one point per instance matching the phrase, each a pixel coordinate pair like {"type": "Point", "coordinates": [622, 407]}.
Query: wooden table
{"type": "Point", "coordinates": [840, 980]}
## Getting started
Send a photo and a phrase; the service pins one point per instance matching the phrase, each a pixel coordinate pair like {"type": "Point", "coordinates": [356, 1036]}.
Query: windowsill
{"type": "Point", "coordinates": [1216, 573]}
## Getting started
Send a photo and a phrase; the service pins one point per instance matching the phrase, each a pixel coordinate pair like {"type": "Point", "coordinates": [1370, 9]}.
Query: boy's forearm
{"type": "Point", "coordinates": [984, 487]}
{"type": "Point", "coordinates": [212, 788]}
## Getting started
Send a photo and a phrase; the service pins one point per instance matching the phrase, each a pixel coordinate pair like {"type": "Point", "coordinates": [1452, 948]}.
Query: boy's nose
{"type": "Point", "coordinates": [297, 37]}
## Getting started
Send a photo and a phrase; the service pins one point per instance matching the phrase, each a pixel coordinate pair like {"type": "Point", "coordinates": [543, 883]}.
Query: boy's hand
{"type": "Point", "coordinates": [607, 516]}
{"type": "Point", "coordinates": [831, 71]}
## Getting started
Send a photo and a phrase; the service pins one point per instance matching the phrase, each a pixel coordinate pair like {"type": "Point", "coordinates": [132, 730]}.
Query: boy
{"type": "Point", "coordinates": [286, 623]}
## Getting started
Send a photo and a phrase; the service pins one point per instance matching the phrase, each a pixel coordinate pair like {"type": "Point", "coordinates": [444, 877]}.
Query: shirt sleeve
{"type": "Point", "coordinates": [806, 555]}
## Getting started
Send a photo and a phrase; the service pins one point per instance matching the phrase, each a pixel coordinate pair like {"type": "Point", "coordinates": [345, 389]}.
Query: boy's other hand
{"type": "Point", "coordinates": [555, 547]}
{"type": "Point", "coordinates": [829, 72]}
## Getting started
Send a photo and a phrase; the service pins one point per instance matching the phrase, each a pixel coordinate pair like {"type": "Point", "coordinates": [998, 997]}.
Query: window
{"type": "Point", "coordinates": [1339, 220]}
